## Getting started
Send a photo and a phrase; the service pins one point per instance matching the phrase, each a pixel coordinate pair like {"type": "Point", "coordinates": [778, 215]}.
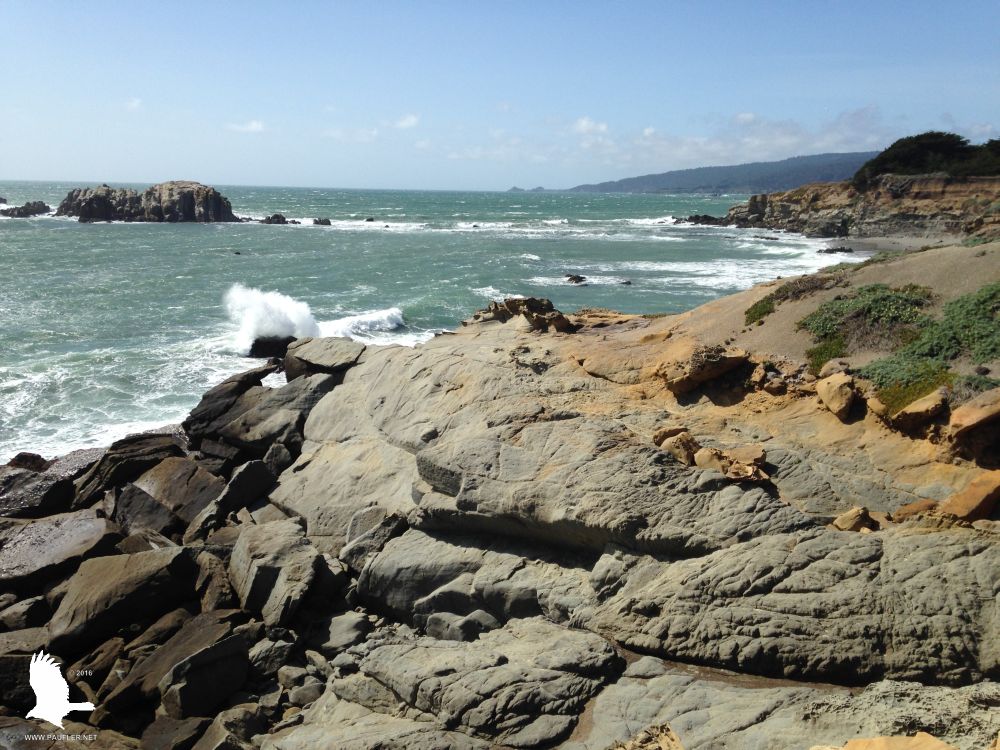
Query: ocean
{"type": "Point", "coordinates": [111, 328]}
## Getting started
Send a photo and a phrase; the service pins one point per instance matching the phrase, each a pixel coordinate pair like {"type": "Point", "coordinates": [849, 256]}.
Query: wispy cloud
{"type": "Point", "coordinates": [250, 126]}
{"type": "Point", "coordinates": [407, 121]}
{"type": "Point", "coordinates": [133, 104]}
{"type": "Point", "coordinates": [587, 126]}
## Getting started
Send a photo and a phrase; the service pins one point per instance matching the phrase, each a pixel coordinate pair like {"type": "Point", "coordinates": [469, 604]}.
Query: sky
{"type": "Point", "coordinates": [476, 95]}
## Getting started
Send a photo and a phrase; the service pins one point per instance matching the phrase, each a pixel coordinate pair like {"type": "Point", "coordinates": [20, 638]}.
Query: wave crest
{"type": "Point", "coordinates": [258, 314]}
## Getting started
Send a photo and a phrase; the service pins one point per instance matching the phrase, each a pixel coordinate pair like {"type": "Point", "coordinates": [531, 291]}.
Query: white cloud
{"type": "Point", "coordinates": [586, 126]}
{"type": "Point", "coordinates": [744, 118]}
{"type": "Point", "coordinates": [133, 104]}
{"type": "Point", "coordinates": [407, 121]}
{"type": "Point", "coordinates": [251, 126]}
{"type": "Point", "coordinates": [648, 132]}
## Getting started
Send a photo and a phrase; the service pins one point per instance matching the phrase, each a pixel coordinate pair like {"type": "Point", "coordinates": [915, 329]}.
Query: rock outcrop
{"type": "Point", "coordinates": [173, 201]}
{"type": "Point", "coordinates": [542, 531]}
{"type": "Point", "coordinates": [32, 208]}
{"type": "Point", "coordinates": [893, 205]}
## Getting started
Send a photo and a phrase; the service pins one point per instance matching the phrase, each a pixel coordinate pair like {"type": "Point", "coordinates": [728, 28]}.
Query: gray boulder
{"type": "Point", "coordinates": [312, 355]}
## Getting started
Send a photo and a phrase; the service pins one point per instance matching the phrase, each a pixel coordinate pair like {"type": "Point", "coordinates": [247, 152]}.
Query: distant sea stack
{"type": "Point", "coordinates": [174, 201]}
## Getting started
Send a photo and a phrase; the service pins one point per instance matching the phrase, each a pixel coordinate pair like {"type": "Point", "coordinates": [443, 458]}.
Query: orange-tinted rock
{"type": "Point", "coordinates": [976, 501]}
{"type": "Point", "coordinates": [913, 509]}
{"type": "Point", "coordinates": [982, 409]}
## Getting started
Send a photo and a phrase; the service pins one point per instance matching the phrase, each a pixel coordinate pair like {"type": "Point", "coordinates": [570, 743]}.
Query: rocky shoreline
{"type": "Point", "coordinates": [542, 530]}
{"type": "Point", "coordinates": [935, 205]}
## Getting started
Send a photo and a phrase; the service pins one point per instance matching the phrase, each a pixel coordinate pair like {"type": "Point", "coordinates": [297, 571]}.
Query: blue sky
{"type": "Point", "coordinates": [470, 95]}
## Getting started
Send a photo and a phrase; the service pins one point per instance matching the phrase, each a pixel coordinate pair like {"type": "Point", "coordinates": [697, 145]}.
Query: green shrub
{"type": "Point", "coordinates": [899, 395]}
{"type": "Point", "coordinates": [759, 310]}
{"type": "Point", "coordinates": [969, 325]}
{"type": "Point", "coordinates": [823, 352]}
{"type": "Point", "coordinates": [873, 307]}
{"type": "Point", "coordinates": [933, 151]}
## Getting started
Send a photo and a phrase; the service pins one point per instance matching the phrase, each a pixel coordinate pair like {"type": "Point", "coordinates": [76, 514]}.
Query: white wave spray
{"type": "Point", "coordinates": [258, 314]}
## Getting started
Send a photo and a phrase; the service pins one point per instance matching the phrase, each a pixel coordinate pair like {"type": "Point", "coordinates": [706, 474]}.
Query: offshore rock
{"type": "Point", "coordinates": [33, 208]}
{"type": "Point", "coordinates": [174, 201]}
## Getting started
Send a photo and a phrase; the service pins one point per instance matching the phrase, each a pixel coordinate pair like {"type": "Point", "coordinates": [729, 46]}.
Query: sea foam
{"type": "Point", "coordinates": [258, 314]}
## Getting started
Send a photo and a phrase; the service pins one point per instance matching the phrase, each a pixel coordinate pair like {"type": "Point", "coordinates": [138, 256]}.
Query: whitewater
{"type": "Point", "coordinates": [107, 329]}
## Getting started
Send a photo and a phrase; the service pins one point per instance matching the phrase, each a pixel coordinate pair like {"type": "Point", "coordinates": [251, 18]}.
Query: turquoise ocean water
{"type": "Point", "coordinates": [110, 328]}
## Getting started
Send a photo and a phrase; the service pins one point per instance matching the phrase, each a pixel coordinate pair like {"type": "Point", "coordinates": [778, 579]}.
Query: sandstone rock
{"type": "Point", "coordinates": [267, 656]}
{"type": "Point", "coordinates": [974, 413]}
{"type": "Point", "coordinates": [681, 446]}
{"type": "Point", "coordinates": [29, 209]}
{"type": "Point", "coordinates": [108, 592]}
{"type": "Point", "coordinates": [32, 491]}
{"type": "Point", "coordinates": [181, 486]}
{"type": "Point", "coordinates": [836, 392]}
{"type": "Point", "coordinates": [855, 519]}
{"type": "Point", "coordinates": [123, 462]}
{"type": "Point", "coordinates": [33, 552]}
{"type": "Point", "coordinates": [976, 501]}
{"type": "Point", "coordinates": [167, 201]}
{"type": "Point", "coordinates": [913, 509]}
{"type": "Point", "coordinates": [219, 405]}
{"type": "Point", "coordinates": [134, 509]}
{"type": "Point", "coordinates": [833, 367]}
{"type": "Point", "coordinates": [309, 356]}
{"type": "Point", "coordinates": [233, 728]}
{"type": "Point", "coordinates": [27, 613]}
{"type": "Point", "coordinates": [919, 741]}
{"type": "Point", "coordinates": [272, 567]}
{"type": "Point", "coordinates": [167, 733]}
{"type": "Point", "coordinates": [521, 686]}
{"type": "Point", "coordinates": [362, 547]}
{"type": "Point", "coordinates": [668, 431]}
{"type": "Point", "coordinates": [660, 737]}
{"type": "Point", "coordinates": [921, 411]}
{"type": "Point", "coordinates": [205, 644]}
{"type": "Point", "coordinates": [706, 363]}
{"type": "Point", "coordinates": [332, 635]}
{"type": "Point", "coordinates": [539, 314]}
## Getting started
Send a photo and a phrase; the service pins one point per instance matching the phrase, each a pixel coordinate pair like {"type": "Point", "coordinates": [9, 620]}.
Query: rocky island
{"type": "Point", "coordinates": [174, 201]}
{"type": "Point", "coordinates": [747, 526]}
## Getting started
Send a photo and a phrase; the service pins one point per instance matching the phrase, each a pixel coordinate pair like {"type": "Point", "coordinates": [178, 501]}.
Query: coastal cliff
{"type": "Point", "coordinates": [929, 205]}
{"type": "Point", "coordinates": [542, 530]}
{"type": "Point", "coordinates": [173, 201]}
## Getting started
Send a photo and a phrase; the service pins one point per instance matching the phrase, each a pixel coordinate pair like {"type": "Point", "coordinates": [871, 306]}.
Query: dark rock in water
{"type": "Point", "coordinates": [841, 249]}
{"type": "Point", "coordinates": [321, 222]}
{"type": "Point", "coordinates": [174, 201]}
{"type": "Point", "coordinates": [370, 218]}
{"type": "Point", "coordinates": [707, 219]}
{"type": "Point", "coordinates": [33, 208]}
{"type": "Point", "coordinates": [270, 346]}
{"type": "Point", "coordinates": [3, 200]}
{"type": "Point", "coordinates": [627, 282]}
{"type": "Point", "coordinates": [575, 278]}
{"type": "Point", "coordinates": [294, 221]}
{"type": "Point", "coordinates": [274, 219]}
{"type": "Point", "coordinates": [30, 461]}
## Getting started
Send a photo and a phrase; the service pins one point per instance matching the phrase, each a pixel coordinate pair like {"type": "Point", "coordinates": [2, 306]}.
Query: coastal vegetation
{"type": "Point", "coordinates": [930, 152]}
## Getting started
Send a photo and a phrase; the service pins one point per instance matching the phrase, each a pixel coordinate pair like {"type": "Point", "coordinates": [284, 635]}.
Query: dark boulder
{"type": "Point", "coordinates": [174, 201]}
{"type": "Point", "coordinates": [32, 208]}
{"type": "Point", "coordinates": [213, 411]}
{"type": "Point", "coordinates": [28, 493]}
{"type": "Point", "coordinates": [712, 221]}
{"type": "Point", "coordinates": [123, 462]}
{"type": "Point", "coordinates": [274, 219]}
{"type": "Point", "coordinates": [321, 222]}
{"type": "Point", "coordinates": [841, 249]}
{"type": "Point", "coordinates": [575, 278]}
{"type": "Point", "coordinates": [270, 346]}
